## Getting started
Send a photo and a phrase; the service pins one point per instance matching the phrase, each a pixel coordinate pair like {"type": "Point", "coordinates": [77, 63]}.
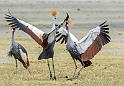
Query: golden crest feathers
{"type": "Point", "coordinates": [70, 22]}
{"type": "Point", "coordinates": [55, 12]}
{"type": "Point", "coordinates": [10, 27]}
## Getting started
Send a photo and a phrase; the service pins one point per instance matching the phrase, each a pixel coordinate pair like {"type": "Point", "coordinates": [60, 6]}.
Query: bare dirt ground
{"type": "Point", "coordinates": [86, 14]}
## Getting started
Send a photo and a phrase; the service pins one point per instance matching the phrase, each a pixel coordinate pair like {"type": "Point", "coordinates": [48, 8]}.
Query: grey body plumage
{"type": "Point", "coordinates": [18, 52]}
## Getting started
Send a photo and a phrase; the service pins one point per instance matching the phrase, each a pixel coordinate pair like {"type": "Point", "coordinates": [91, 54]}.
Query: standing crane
{"type": "Point", "coordinates": [19, 52]}
{"type": "Point", "coordinates": [47, 41]}
{"type": "Point", "coordinates": [86, 48]}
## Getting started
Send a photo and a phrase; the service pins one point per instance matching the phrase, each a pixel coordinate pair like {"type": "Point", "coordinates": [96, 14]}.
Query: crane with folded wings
{"type": "Point", "coordinates": [19, 53]}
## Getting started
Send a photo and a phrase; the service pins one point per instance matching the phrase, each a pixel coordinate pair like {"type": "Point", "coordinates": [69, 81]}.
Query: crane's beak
{"type": "Point", "coordinates": [67, 17]}
{"type": "Point", "coordinates": [13, 29]}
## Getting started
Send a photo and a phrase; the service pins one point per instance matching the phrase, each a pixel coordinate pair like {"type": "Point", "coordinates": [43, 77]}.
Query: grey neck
{"type": "Point", "coordinates": [12, 35]}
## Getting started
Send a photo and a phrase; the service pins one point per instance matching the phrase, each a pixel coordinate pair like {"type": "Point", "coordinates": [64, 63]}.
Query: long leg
{"type": "Point", "coordinates": [29, 71]}
{"type": "Point", "coordinates": [74, 71]}
{"type": "Point", "coordinates": [16, 66]}
{"type": "Point", "coordinates": [75, 68]}
{"type": "Point", "coordinates": [49, 69]}
{"type": "Point", "coordinates": [83, 65]}
{"type": "Point", "coordinates": [53, 69]}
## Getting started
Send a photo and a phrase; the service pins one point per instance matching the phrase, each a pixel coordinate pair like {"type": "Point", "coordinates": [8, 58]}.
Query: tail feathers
{"type": "Point", "coordinates": [9, 54]}
{"type": "Point", "coordinates": [87, 63]}
{"type": "Point", "coordinates": [47, 53]}
{"type": "Point", "coordinates": [42, 55]}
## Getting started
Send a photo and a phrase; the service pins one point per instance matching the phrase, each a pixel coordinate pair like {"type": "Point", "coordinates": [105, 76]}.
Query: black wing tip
{"type": "Point", "coordinates": [62, 38]}
{"type": "Point", "coordinates": [103, 23]}
{"type": "Point", "coordinates": [105, 32]}
{"type": "Point", "coordinates": [104, 27]}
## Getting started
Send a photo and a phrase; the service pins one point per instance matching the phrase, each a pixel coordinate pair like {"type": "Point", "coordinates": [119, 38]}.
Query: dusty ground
{"type": "Point", "coordinates": [86, 14]}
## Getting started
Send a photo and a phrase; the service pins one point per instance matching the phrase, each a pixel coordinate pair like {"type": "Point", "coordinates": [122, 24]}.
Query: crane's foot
{"type": "Point", "coordinates": [51, 76]}
{"type": "Point", "coordinates": [72, 78]}
{"type": "Point", "coordinates": [54, 77]}
{"type": "Point", "coordinates": [77, 75]}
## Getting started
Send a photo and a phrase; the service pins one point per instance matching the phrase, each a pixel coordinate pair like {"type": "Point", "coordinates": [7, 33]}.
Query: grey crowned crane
{"type": "Point", "coordinates": [86, 48]}
{"type": "Point", "coordinates": [47, 41]}
{"type": "Point", "coordinates": [19, 52]}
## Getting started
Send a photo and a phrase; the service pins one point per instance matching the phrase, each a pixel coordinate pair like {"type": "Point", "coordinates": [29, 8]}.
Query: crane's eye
{"type": "Point", "coordinates": [55, 17]}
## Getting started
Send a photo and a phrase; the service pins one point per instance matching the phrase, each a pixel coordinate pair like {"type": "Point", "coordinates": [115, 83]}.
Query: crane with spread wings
{"type": "Point", "coordinates": [46, 40]}
{"type": "Point", "coordinates": [86, 48]}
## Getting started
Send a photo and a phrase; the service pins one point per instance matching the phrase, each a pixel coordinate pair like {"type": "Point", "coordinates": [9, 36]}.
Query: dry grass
{"type": "Point", "coordinates": [106, 70]}
{"type": "Point", "coordinates": [108, 65]}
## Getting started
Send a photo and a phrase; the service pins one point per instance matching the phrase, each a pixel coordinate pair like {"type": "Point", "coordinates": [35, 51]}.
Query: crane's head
{"type": "Point", "coordinates": [13, 30]}
{"type": "Point", "coordinates": [54, 13]}
{"type": "Point", "coordinates": [66, 19]}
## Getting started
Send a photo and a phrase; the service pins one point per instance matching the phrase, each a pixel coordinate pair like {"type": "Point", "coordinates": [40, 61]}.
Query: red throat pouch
{"type": "Point", "coordinates": [66, 28]}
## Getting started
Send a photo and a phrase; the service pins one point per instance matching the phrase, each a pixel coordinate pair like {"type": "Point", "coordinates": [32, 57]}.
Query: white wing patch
{"type": "Point", "coordinates": [63, 31]}
{"type": "Point", "coordinates": [23, 55]}
{"type": "Point", "coordinates": [32, 28]}
{"type": "Point", "coordinates": [51, 37]}
{"type": "Point", "coordinates": [87, 40]}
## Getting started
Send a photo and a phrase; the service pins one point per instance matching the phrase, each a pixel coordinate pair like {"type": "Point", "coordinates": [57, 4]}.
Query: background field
{"type": "Point", "coordinates": [108, 65]}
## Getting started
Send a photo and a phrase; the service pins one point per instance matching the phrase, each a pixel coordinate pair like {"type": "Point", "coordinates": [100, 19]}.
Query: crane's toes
{"type": "Point", "coordinates": [51, 76]}
{"type": "Point", "coordinates": [71, 78]}
{"type": "Point", "coordinates": [76, 77]}
{"type": "Point", "coordinates": [54, 77]}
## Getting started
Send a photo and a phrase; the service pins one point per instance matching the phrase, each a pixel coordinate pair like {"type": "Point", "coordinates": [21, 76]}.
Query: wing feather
{"type": "Point", "coordinates": [101, 39]}
{"type": "Point", "coordinates": [62, 35]}
{"type": "Point", "coordinates": [34, 32]}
